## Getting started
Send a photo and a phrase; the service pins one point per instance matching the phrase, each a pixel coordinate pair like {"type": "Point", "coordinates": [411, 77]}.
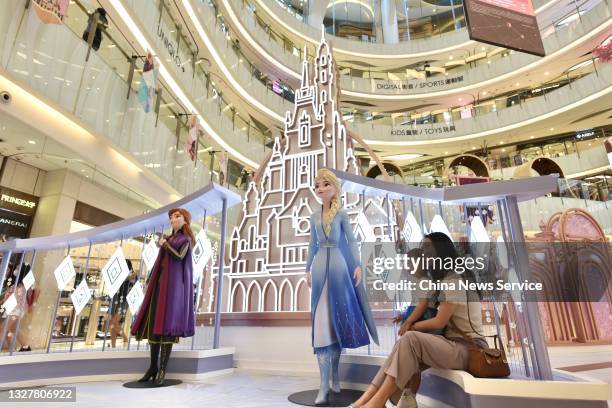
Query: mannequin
{"type": "Point", "coordinates": [341, 315]}
{"type": "Point", "coordinates": [166, 312]}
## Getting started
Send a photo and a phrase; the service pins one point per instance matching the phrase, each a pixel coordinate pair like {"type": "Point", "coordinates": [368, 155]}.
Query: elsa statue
{"type": "Point", "coordinates": [341, 315]}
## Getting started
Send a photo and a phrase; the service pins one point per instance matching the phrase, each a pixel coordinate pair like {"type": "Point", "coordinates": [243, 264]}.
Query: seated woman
{"type": "Point", "coordinates": [418, 349]}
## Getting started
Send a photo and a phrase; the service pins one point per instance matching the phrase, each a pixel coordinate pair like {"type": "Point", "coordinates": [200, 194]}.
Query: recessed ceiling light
{"type": "Point", "coordinates": [551, 129]}
{"type": "Point", "coordinates": [473, 147]}
{"type": "Point", "coordinates": [31, 142]}
{"type": "Point", "coordinates": [546, 73]}
{"type": "Point", "coordinates": [531, 137]}
{"type": "Point", "coordinates": [460, 99]}
{"type": "Point", "coordinates": [484, 92]}
{"type": "Point", "coordinates": [517, 84]}
{"type": "Point", "coordinates": [445, 152]}
{"type": "Point", "coordinates": [450, 57]}
{"type": "Point", "coordinates": [502, 142]}
{"type": "Point", "coordinates": [482, 48]}
{"type": "Point", "coordinates": [503, 150]}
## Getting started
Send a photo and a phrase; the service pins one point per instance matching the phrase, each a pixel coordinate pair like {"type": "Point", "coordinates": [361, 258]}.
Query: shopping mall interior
{"type": "Point", "coordinates": [486, 120]}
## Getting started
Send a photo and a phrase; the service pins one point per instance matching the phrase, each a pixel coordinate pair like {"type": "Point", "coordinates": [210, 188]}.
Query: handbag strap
{"type": "Point", "coordinates": [464, 334]}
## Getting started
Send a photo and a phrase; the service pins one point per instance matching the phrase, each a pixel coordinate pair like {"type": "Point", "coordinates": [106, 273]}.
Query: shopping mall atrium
{"type": "Point", "coordinates": [174, 162]}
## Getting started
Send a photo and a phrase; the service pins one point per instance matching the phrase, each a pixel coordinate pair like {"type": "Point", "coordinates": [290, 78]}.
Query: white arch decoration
{"type": "Point", "coordinates": [291, 295]}
{"type": "Point", "coordinates": [297, 293]}
{"type": "Point", "coordinates": [265, 293]}
{"type": "Point", "coordinates": [231, 302]}
{"type": "Point", "coordinates": [259, 307]}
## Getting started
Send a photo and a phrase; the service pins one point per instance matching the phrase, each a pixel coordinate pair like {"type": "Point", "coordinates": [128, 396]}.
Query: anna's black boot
{"type": "Point", "coordinates": [152, 371]}
{"type": "Point", "coordinates": [163, 362]}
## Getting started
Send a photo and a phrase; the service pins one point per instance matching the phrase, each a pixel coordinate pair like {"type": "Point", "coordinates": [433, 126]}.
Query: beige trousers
{"type": "Point", "coordinates": [413, 351]}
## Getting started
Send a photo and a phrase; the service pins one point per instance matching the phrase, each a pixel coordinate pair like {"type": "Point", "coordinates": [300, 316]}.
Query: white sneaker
{"type": "Point", "coordinates": [407, 400]}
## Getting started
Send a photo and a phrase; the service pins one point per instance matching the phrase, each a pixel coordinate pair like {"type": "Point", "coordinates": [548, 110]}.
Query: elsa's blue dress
{"type": "Point", "coordinates": [340, 311]}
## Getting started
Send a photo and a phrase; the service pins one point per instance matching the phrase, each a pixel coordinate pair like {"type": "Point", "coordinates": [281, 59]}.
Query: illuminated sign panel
{"type": "Point", "coordinates": [505, 23]}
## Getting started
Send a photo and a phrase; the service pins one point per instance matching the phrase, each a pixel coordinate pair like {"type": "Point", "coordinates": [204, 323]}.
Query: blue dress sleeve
{"type": "Point", "coordinates": [350, 238]}
{"type": "Point", "coordinates": [314, 244]}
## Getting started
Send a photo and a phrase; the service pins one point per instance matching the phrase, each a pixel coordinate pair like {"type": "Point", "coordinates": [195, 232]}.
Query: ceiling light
{"type": "Point", "coordinates": [445, 152]}
{"type": "Point", "coordinates": [503, 150]}
{"type": "Point", "coordinates": [531, 137]}
{"type": "Point", "coordinates": [473, 147]}
{"type": "Point", "coordinates": [551, 129]}
{"type": "Point", "coordinates": [484, 92]}
{"type": "Point", "coordinates": [31, 142]}
{"type": "Point", "coordinates": [460, 99]}
{"type": "Point", "coordinates": [517, 84]}
{"type": "Point", "coordinates": [502, 142]}
{"type": "Point", "coordinates": [450, 57]}
{"type": "Point", "coordinates": [546, 73]}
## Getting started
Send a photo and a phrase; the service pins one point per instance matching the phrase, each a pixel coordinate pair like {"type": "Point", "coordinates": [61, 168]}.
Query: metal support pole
{"type": "Point", "coordinates": [59, 295]}
{"type": "Point", "coordinates": [220, 275]}
{"type": "Point", "coordinates": [422, 219]}
{"type": "Point", "coordinates": [517, 313]}
{"type": "Point", "coordinates": [6, 321]}
{"type": "Point", "coordinates": [389, 217]}
{"type": "Point", "coordinates": [21, 310]}
{"type": "Point", "coordinates": [440, 209]}
{"type": "Point", "coordinates": [85, 278]}
{"type": "Point", "coordinates": [541, 360]}
{"type": "Point", "coordinates": [131, 75]}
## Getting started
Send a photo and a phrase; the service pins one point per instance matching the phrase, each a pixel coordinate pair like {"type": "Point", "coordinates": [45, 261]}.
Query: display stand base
{"type": "Point", "coordinates": [342, 399]}
{"type": "Point", "coordinates": [150, 384]}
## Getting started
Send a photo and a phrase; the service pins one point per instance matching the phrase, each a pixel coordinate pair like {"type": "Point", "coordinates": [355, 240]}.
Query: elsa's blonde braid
{"type": "Point", "coordinates": [333, 209]}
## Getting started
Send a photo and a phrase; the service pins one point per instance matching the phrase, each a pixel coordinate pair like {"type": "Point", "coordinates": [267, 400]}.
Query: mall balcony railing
{"type": "Point", "coordinates": [200, 84]}
{"type": "Point", "coordinates": [596, 83]}
{"type": "Point", "coordinates": [418, 21]}
{"type": "Point", "coordinates": [58, 63]}
{"type": "Point", "coordinates": [476, 63]}
{"type": "Point", "coordinates": [593, 18]}
{"type": "Point", "coordinates": [47, 320]}
{"type": "Point", "coordinates": [475, 106]}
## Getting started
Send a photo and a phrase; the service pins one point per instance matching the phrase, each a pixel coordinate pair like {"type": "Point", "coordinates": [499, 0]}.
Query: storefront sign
{"type": "Point", "coordinates": [399, 86]}
{"type": "Point", "coordinates": [17, 210]}
{"type": "Point", "coordinates": [171, 47]}
{"type": "Point", "coordinates": [407, 131]}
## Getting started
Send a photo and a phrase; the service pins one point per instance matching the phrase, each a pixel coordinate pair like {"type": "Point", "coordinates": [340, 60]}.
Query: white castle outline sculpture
{"type": "Point", "coordinates": [269, 246]}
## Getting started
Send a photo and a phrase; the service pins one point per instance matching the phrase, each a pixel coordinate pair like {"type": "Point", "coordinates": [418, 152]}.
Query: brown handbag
{"type": "Point", "coordinates": [484, 362]}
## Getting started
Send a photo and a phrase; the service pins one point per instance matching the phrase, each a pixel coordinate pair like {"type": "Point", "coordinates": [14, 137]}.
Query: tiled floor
{"type": "Point", "coordinates": [239, 390]}
{"type": "Point", "coordinates": [245, 389]}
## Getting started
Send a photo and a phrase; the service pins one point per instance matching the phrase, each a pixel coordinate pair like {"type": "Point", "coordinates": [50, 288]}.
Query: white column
{"type": "Point", "coordinates": [316, 12]}
{"type": "Point", "coordinates": [389, 21]}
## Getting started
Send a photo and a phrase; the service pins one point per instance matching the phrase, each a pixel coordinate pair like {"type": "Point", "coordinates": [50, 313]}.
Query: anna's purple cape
{"type": "Point", "coordinates": [174, 314]}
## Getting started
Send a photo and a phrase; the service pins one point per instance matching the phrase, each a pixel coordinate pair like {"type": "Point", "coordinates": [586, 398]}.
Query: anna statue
{"type": "Point", "coordinates": [166, 313]}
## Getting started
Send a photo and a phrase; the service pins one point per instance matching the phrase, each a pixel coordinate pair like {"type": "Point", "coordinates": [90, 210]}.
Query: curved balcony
{"type": "Point", "coordinates": [377, 134]}
{"type": "Point", "coordinates": [56, 63]}
{"type": "Point", "coordinates": [442, 41]}
{"type": "Point", "coordinates": [199, 92]}
{"type": "Point", "coordinates": [443, 78]}
{"type": "Point", "coordinates": [585, 92]}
